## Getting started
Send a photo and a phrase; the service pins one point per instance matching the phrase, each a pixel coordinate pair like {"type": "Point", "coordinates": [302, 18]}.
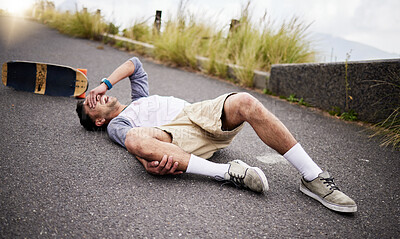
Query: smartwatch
{"type": "Point", "coordinates": [107, 82]}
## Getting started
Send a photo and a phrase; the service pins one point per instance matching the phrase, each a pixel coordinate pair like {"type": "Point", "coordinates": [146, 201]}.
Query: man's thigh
{"type": "Point", "coordinates": [198, 129]}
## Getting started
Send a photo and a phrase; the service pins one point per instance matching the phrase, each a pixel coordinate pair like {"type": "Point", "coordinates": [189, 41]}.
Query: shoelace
{"type": "Point", "coordinates": [330, 182]}
{"type": "Point", "coordinates": [235, 180]}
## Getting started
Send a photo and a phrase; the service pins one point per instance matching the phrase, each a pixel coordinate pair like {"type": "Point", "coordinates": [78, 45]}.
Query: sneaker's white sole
{"type": "Point", "coordinates": [259, 172]}
{"type": "Point", "coordinates": [263, 177]}
{"type": "Point", "coordinates": [334, 207]}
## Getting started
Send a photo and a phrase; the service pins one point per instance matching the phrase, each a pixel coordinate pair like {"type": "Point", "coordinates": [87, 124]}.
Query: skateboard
{"type": "Point", "coordinates": [44, 78]}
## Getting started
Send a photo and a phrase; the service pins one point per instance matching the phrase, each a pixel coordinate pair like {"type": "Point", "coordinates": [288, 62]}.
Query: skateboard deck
{"type": "Point", "coordinates": [44, 78]}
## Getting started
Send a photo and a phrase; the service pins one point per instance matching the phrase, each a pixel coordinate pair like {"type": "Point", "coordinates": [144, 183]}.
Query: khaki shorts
{"type": "Point", "coordinates": [197, 129]}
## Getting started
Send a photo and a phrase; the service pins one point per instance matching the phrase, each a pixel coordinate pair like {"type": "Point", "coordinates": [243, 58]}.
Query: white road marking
{"type": "Point", "coordinates": [272, 158]}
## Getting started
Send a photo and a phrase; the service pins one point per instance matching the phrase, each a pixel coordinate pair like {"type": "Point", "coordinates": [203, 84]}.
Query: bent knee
{"type": "Point", "coordinates": [246, 99]}
{"type": "Point", "coordinates": [247, 104]}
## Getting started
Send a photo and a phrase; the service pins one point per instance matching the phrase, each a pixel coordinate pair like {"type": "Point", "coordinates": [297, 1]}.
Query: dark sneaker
{"type": "Point", "coordinates": [326, 192]}
{"type": "Point", "coordinates": [242, 175]}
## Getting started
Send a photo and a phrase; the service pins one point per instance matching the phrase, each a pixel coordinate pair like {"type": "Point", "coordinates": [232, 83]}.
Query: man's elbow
{"type": "Point", "coordinates": [130, 67]}
{"type": "Point", "coordinates": [134, 143]}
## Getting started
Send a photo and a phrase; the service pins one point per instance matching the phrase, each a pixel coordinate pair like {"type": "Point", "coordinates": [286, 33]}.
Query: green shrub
{"type": "Point", "coordinates": [84, 24]}
{"type": "Point", "coordinates": [180, 43]}
{"type": "Point", "coordinates": [112, 29]}
{"type": "Point", "coordinates": [244, 44]}
{"type": "Point", "coordinates": [351, 115]}
{"type": "Point", "coordinates": [288, 44]}
{"type": "Point", "coordinates": [79, 24]}
{"type": "Point", "coordinates": [216, 51]}
{"type": "Point", "coordinates": [139, 31]}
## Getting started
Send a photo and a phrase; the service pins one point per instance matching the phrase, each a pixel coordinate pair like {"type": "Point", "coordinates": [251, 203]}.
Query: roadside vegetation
{"type": "Point", "coordinates": [389, 129]}
{"type": "Point", "coordinates": [78, 24]}
{"type": "Point", "coordinates": [251, 45]}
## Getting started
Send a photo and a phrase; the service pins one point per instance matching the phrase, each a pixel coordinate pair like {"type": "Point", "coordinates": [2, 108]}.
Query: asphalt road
{"type": "Point", "coordinates": [59, 181]}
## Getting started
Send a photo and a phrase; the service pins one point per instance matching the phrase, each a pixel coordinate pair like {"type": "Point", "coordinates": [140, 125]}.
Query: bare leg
{"type": "Point", "coordinates": [152, 144]}
{"type": "Point", "coordinates": [243, 107]}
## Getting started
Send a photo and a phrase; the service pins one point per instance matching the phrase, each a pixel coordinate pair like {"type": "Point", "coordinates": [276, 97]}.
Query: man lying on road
{"type": "Point", "coordinates": [152, 127]}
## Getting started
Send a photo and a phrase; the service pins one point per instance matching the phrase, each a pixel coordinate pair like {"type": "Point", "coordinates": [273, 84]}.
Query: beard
{"type": "Point", "coordinates": [108, 105]}
{"type": "Point", "coordinates": [111, 106]}
{"type": "Point", "coordinates": [112, 101]}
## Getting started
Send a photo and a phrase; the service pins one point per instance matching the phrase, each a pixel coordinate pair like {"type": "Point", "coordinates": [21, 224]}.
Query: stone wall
{"type": "Point", "coordinates": [373, 86]}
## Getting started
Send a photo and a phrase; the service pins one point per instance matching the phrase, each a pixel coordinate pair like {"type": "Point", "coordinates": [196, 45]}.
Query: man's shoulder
{"type": "Point", "coordinates": [118, 119]}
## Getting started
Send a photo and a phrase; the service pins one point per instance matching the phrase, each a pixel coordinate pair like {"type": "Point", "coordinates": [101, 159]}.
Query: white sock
{"type": "Point", "coordinates": [302, 162]}
{"type": "Point", "coordinates": [204, 167]}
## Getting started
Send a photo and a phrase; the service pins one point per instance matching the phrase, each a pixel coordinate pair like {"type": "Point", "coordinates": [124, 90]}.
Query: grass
{"type": "Point", "coordinates": [287, 44]}
{"type": "Point", "coordinates": [180, 43]}
{"type": "Point", "coordinates": [247, 46]}
{"type": "Point", "coordinates": [389, 129]}
{"type": "Point", "coordinates": [183, 38]}
{"type": "Point", "coordinates": [292, 98]}
{"type": "Point", "coordinates": [350, 115]}
{"type": "Point", "coordinates": [217, 53]}
{"type": "Point", "coordinates": [139, 31]}
{"type": "Point", "coordinates": [84, 24]}
{"type": "Point", "coordinates": [244, 44]}
{"type": "Point", "coordinates": [253, 48]}
{"type": "Point", "coordinates": [186, 36]}
{"type": "Point", "coordinates": [79, 24]}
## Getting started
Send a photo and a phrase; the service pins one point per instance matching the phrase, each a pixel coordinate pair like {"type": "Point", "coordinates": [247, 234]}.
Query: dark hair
{"type": "Point", "coordinates": [85, 119]}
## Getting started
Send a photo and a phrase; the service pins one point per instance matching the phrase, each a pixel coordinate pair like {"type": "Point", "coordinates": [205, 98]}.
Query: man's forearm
{"type": "Point", "coordinates": [152, 144]}
{"type": "Point", "coordinates": [165, 166]}
{"type": "Point", "coordinates": [123, 71]}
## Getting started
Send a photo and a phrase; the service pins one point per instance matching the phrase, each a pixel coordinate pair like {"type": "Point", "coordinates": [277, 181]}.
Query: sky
{"type": "Point", "coordinates": [372, 22]}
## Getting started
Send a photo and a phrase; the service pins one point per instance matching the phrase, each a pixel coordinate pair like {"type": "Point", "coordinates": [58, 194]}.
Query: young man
{"type": "Point", "coordinates": [152, 127]}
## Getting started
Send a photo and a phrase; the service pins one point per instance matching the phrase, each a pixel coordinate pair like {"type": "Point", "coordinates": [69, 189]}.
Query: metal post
{"type": "Point", "coordinates": [157, 21]}
{"type": "Point", "coordinates": [234, 24]}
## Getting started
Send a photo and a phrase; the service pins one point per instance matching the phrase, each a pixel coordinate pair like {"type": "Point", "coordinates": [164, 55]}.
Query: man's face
{"type": "Point", "coordinates": [104, 106]}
